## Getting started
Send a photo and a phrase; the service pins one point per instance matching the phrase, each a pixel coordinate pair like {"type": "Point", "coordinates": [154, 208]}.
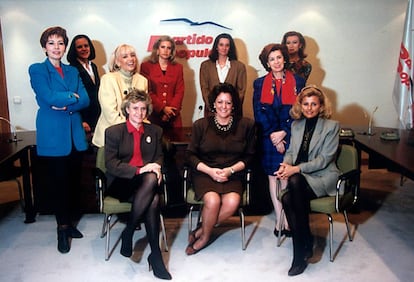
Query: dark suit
{"type": "Point", "coordinates": [119, 147]}
{"type": "Point", "coordinates": [320, 171]}
{"type": "Point", "coordinates": [90, 114]}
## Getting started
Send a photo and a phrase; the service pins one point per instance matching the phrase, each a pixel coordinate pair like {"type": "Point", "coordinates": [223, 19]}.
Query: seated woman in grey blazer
{"type": "Point", "coordinates": [308, 167]}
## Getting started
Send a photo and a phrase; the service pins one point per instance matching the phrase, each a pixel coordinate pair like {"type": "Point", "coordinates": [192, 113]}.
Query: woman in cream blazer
{"type": "Point", "coordinates": [123, 76]}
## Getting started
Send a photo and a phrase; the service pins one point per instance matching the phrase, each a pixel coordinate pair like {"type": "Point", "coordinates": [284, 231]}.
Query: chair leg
{"type": "Point", "coordinates": [164, 234]}
{"type": "Point", "coordinates": [330, 237]}
{"type": "Point", "coordinates": [348, 229]}
{"type": "Point", "coordinates": [280, 227]}
{"type": "Point", "coordinates": [108, 232]}
{"type": "Point", "coordinates": [190, 219]}
{"type": "Point", "coordinates": [243, 228]}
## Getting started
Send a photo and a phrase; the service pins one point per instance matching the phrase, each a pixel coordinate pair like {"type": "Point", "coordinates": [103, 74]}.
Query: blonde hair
{"type": "Point", "coordinates": [154, 53]}
{"type": "Point", "coordinates": [121, 49]}
{"type": "Point", "coordinates": [309, 91]}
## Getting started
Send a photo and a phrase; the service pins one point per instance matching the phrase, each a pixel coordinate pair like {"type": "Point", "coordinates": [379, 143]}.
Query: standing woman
{"type": "Point", "coordinates": [296, 44]}
{"type": "Point", "coordinates": [308, 167]}
{"type": "Point", "coordinates": [166, 83]}
{"type": "Point", "coordinates": [60, 137]}
{"type": "Point", "coordinates": [222, 146]}
{"type": "Point", "coordinates": [222, 66]}
{"type": "Point", "coordinates": [80, 55]}
{"type": "Point", "coordinates": [122, 77]}
{"type": "Point", "coordinates": [133, 158]}
{"type": "Point", "coordinates": [274, 94]}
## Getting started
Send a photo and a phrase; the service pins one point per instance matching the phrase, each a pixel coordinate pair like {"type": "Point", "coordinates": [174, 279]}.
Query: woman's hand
{"type": "Point", "coordinates": [277, 139]}
{"type": "Point", "coordinates": [219, 175]}
{"type": "Point", "coordinates": [152, 167]}
{"type": "Point", "coordinates": [286, 170]}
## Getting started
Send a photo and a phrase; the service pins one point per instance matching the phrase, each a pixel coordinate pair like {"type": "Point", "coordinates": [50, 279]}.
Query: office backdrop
{"type": "Point", "coordinates": [353, 45]}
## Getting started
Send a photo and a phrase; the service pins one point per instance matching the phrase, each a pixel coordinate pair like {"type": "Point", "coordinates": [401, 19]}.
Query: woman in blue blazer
{"type": "Point", "coordinates": [308, 167]}
{"type": "Point", "coordinates": [274, 94]}
{"type": "Point", "coordinates": [60, 137]}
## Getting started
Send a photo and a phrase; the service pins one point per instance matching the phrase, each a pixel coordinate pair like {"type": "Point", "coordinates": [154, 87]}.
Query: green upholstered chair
{"type": "Point", "coordinates": [191, 201]}
{"type": "Point", "coordinates": [347, 192]}
{"type": "Point", "coordinates": [110, 206]}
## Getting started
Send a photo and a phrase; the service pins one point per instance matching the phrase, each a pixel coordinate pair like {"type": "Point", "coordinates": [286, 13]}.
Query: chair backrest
{"type": "Point", "coordinates": [348, 163]}
{"type": "Point", "coordinates": [347, 158]}
{"type": "Point", "coordinates": [100, 159]}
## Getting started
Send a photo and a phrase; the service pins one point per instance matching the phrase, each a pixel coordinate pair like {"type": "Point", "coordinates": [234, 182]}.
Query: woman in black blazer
{"type": "Point", "coordinates": [133, 159]}
{"type": "Point", "coordinates": [308, 167]}
{"type": "Point", "coordinates": [80, 55]}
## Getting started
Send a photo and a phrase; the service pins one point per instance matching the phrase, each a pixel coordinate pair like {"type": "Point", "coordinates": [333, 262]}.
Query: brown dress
{"type": "Point", "coordinates": [217, 148]}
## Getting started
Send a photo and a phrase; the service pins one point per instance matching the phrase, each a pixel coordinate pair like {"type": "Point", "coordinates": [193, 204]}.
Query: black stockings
{"type": "Point", "coordinates": [296, 203]}
{"type": "Point", "coordinates": [145, 206]}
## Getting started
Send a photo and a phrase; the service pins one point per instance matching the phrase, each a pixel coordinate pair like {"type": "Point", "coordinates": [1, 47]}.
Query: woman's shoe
{"type": "Point", "coordinates": [157, 265]}
{"type": "Point", "coordinates": [285, 232]}
{"type": "Point", "coordinates": [190, 250]}
{"type": "Point", "coordinates": [126, 245]}
{"type": "Point", "coordinates": [63, 240]}
{"type": "Point", "coordinates": [297, 268]}
{"type": "Point", "coordinates": [73, 232]}
{"type": "Point", "coordinates": [192, 236]}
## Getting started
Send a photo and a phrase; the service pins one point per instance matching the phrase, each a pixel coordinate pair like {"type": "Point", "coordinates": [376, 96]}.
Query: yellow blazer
{"type": "Point", "coordinates": [111, 94]}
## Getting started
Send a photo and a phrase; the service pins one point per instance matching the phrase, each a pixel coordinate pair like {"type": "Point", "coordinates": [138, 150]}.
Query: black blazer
{"type": "Point", "coordinates": [119, 147]}
{"type": "Point", "coordinates": [91, 113]}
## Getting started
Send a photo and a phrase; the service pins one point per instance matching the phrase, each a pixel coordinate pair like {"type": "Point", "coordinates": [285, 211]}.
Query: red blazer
{"type": "Point", "coordinates": [165, 90]}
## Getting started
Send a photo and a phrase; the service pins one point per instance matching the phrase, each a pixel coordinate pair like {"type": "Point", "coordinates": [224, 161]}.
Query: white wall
{"type": "Point", "coordinates": [353, 45]}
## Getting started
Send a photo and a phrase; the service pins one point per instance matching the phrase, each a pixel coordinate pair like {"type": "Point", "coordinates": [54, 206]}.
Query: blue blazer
{"type": "Point", "coordinates": [58, 120]}
{"type": "Point", "coordinates": [320, 170]}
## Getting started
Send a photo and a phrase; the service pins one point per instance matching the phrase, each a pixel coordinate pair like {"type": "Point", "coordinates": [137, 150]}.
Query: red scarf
{"type": "Point", "coordinates": [288, 89]}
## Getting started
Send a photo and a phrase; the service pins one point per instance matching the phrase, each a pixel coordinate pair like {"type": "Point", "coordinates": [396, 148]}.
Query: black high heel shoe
{"type": "Point", "coordinates": [157, 265]}
{"type": "Point", "coordinates": [63, 240]}
{"type": "Point", "coordinates": [126, 245]}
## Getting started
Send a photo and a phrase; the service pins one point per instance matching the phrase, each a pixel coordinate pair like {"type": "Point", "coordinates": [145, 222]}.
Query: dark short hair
{"type": "Point", "coordinates": [54, 30]}
{"type": "Point", "coordinates": [133, 96]}
{"type": "Point", "coordinates": [232, 50]}
{"type": "Point", "coordinates": [72, 55]}
{"type": "Point", "coordinates": [269, 48]}
{"type": "Point", "coordinates": [224, 88]}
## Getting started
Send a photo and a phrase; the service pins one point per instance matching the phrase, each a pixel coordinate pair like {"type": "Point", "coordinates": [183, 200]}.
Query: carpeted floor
{"type": "Point", "coordinates": [382, 250]}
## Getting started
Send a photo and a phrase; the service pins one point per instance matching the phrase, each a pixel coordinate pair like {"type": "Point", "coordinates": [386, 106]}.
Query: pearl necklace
{"type": "Point", "coordinates": [223, 127]}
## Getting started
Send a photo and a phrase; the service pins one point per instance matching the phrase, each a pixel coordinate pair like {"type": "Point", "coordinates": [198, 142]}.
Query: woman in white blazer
{"type": "Point", "coordinates": [308, 167]}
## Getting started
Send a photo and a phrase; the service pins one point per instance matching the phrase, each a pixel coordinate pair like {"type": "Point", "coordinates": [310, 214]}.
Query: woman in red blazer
{"type": "Point", "coordinates": [166, 83]}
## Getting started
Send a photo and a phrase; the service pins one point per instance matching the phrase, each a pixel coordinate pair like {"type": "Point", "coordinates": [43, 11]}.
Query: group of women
{"type": "Point", "coordinates": [126, 111]}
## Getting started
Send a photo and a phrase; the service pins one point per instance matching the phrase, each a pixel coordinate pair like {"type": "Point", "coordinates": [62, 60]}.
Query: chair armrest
{"type": "Point", "coordinates": [351, 180]}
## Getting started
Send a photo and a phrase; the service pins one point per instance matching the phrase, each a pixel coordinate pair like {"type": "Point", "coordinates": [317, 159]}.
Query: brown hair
{"type": "Point", "coordinates": [269, 48]}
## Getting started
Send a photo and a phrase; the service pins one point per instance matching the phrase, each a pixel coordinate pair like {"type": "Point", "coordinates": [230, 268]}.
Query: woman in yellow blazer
{"type": "Point", "coordinates": [123, 77]}
{"type": "Point", "coordinates": [222, 66]}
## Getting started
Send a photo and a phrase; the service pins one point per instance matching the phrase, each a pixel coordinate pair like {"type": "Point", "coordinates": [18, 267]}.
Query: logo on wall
{"type": "Point", "coordinates": [187, 46]}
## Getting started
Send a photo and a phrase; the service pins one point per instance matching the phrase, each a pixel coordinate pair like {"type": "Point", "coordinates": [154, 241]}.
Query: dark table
{"type": "Point", "coordinates": [20, 150]}
{"type": "Point", "coordinates": [395, 155]}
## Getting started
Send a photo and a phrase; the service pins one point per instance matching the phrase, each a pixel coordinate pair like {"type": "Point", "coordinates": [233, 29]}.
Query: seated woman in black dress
{"type": "Point", "coordinates": [308, 167]}
{"type": "Point", "coordinates": [133, 159]}
{"type": "Point", "coordinates": [222, 146]}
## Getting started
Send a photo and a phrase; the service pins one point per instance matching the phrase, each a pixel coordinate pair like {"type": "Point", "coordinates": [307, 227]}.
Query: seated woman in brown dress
{"type": "Point", "coordinates": [222, 146]}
